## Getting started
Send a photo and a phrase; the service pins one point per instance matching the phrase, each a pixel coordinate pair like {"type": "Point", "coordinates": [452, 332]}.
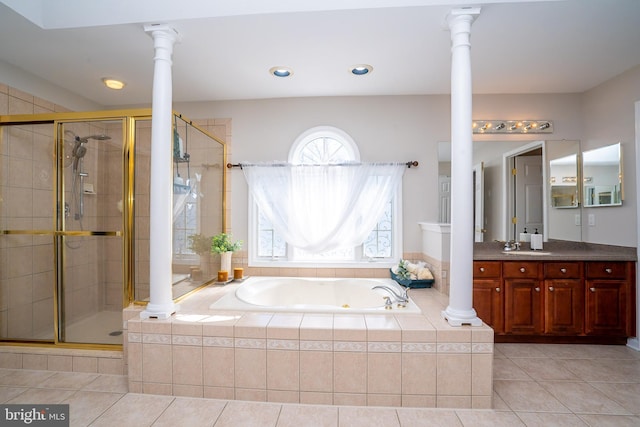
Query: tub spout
{"type": "Point", "coordinates": [401, 299]}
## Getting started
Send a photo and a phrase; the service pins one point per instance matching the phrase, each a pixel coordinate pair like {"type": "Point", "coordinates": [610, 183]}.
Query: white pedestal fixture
{"type": "Point", "coordinates": [460, 310]}
{"type": "Point", "coordinates": [161, 304]}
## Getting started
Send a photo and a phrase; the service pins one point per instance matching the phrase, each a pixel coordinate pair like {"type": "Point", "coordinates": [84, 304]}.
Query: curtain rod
{"type": "Point", "coordinates": [409, 164]}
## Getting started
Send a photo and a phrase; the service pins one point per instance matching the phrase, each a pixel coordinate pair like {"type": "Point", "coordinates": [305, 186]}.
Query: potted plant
{"type": "Point", "coordinates": [201, 245]}
{"type": "Point", "coordinates": [222, 244]}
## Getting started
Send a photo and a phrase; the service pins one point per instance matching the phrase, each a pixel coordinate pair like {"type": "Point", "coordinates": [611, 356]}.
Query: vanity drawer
{"type": "Point", "coordinates": [488, 269]}
{"type": "Point", "coordinates": [562, 270]}
{"type": "Point", "coordinates": [516, 269]}
{"type": "Point", "coordinates": [606, 270]}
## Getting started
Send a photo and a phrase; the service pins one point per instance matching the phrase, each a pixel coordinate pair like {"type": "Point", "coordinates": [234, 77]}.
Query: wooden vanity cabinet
{"type": "Point", "coordinates": [488, 295]}
{"type": "Point", "coordinates": [556, 301]}
{"type": "Point", "coordinates": [608, 295]}
{"type": "Point", "coordinates": [563, 298]}
{"type": "Point", "coordinates": [523, 298]}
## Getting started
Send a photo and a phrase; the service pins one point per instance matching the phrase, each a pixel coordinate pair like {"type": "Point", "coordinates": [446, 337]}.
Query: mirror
{"type": "Point", "coordinates": [602, 176]}
{"type": "Point", "coordinates": [564, 218]}
{"type": "Point", "coordinates": [563, 178]}
{"type": "Point", "coordinates": [561, 224]}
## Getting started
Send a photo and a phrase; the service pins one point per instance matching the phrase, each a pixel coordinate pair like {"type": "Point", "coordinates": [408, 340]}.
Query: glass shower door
{"type": "Point", "coordinates": [27, 212]}
{"type": "Point", "coordinates": [89, 246]}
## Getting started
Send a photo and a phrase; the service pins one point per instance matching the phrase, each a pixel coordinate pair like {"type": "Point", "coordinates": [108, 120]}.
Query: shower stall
{"type": "Point", "coordinates": [74, 213]}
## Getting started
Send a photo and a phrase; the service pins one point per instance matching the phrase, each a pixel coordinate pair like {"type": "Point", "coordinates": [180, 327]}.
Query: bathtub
{"type": "Point", "coordinates": [323, 295]}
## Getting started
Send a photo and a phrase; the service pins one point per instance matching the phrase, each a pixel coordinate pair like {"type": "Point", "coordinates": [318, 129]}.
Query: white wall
{"type": "Point", "coordinates": [390, 128]}
{"type": "Point", "coordinates": [609, 117]}
{"type": "Point", "coordinates": [402, 128]}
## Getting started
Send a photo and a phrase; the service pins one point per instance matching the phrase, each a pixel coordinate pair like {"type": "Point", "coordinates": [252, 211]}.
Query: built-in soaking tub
{"type": "Point", "coordinates": [325, 295]}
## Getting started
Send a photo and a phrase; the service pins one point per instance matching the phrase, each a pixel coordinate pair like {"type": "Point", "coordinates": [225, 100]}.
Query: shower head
{"type": "Point", "coordinates": [101, 137]}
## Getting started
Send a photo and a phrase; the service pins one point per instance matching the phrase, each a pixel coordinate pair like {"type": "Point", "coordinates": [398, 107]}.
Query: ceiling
{"type": "Point", "coordinates": [227, 47]}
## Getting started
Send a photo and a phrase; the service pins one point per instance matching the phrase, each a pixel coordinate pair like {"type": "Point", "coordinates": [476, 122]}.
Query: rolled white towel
{"type": "Point", "coordinates": [424, 274]}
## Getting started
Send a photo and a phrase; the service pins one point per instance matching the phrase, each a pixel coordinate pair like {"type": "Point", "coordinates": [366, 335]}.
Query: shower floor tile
{"type": "Point", "coordinates": [97, 329]}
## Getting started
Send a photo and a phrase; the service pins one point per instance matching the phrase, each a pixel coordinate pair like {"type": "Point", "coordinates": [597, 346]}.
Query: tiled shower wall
{"type": "Point", "coordinates": [27, 274]}
{"type": "Point", "coordinates": [26, 270]}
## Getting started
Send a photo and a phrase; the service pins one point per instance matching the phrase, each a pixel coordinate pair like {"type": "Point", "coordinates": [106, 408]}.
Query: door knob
{"type": "Point", "coordinates": [481, 269]}
{"type": "Point", "coordinates": [522, 270]}
{"type": "Point", "coordinates": [592, 289]}
{"type": "Point", "coordinates": [497, 289]}
{"type": "Point", "coordinates": [537, 289]}
{"type": "Point", "coordinates": [608, 270]}
{"type": "Point", "coordinates": [550, 288]}
{"type": "Point", "coordinates": [563, 270]}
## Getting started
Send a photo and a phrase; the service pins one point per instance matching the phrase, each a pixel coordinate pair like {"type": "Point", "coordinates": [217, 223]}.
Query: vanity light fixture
{"type": "Point", "coordinates": [512, 126]}
{"type": "Point", "coordinates": [281, 71]}
{"type": "Point", "coordinates": [113, 83]}
{"type": "Point", "coordinates": [361, 69]}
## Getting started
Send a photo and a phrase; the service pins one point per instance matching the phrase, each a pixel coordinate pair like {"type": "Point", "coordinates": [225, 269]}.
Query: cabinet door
{"type": "Point", "coordinates": [523, 306]}
{"type": "Point", "coordinates": [564, 306]}
{"type": "Point", "coordinates": [488, 301]}
{"type": "Point", "coordinates": [606, 307]}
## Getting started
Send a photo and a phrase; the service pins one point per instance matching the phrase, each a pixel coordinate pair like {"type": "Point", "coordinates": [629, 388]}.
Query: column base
{"type": "Point", "coordinates": [159, 311]}
{"type": "Point", "coordinates": [461, 317]}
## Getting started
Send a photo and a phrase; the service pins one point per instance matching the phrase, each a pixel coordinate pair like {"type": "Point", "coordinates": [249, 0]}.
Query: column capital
{"type": "Point", "coordinates": [460, 20]}
{"type": "Point", "coordinates": [163, 30]}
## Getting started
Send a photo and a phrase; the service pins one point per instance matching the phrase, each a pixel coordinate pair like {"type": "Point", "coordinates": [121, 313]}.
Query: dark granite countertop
{"type": "Point", "coordinates": [558, 250]}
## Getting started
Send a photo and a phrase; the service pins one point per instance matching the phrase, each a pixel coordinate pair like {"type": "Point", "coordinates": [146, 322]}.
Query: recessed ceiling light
{"type": "Point", "coordinates": [281, 71]}
{"type": "Point", "coordinates": [361, 69]}
{"type": "Point", "coordinates": [113, 83]}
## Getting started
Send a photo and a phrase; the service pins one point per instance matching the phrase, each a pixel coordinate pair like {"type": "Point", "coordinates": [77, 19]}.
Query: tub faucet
{"type": "Point", "coordinates": [401, 299]}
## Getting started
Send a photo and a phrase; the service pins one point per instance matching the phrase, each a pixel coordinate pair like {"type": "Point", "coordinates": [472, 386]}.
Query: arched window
{"type": "Point", "coordinates": [325, 145]}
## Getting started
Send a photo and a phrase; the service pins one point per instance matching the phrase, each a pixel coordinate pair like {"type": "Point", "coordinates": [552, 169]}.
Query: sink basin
{"type": "Point", "coordinates": [526, 253]}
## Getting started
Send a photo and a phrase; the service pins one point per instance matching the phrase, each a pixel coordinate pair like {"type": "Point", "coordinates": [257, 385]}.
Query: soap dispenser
{"type": "Point", "coordinates": [524, 236]}
{"type": "Point", "coordinates": [536, 241]}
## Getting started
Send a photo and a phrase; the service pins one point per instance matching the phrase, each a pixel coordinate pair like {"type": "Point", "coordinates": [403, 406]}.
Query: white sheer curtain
{"type": "Point", "coordinates": [319, 208]}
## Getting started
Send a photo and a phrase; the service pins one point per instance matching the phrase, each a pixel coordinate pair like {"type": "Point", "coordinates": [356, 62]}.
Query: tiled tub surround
{"type": "Point", "coordinates": [340, 359]}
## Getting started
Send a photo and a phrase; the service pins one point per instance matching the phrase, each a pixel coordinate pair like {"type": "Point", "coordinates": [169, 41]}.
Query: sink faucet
{"type": "Point", "coordinates": [401, 299]}
{"type": "Point", "coordinates": [511, 245]}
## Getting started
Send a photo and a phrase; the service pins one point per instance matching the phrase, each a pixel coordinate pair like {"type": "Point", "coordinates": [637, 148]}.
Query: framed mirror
{"type": "Point", "coordinates": [602, 176]}
{"type": "Point", "coordinates": [560, 224]}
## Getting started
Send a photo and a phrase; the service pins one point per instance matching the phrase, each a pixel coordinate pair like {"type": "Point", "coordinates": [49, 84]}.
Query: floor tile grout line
{"type": "Point", "coordinates": [220, 414]}
{"type": "Point", "coordinates": [106, 409]}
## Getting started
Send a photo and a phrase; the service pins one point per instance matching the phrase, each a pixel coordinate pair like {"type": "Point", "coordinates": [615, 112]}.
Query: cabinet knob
{"type": "Point", "coordinates": [608, 270]}
{"type": "Point", "coordinates": [592, 289]}
{"type": "Point", "coordinates": [497, 289]}
{"type": "Point", "coordinates": [481, 269]}
{"type": "Point", "coordinates": [550, 288]}
{"type": "Point", "coordinates": [563, 270]}
{"type": "Point", "coordinates": [522, 270]}
{"type": "Point", "coordinates": [537, 289]}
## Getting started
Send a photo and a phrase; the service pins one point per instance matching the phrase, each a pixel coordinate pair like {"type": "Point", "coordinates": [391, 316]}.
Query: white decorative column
{"type": "Point", "coordinates": [460, 310]}
{"type": "Point", "coordinates": [161, 304]}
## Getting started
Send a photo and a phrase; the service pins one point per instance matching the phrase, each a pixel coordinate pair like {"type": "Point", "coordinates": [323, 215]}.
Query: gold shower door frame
{"type": "Point", "coordinates": [132, 121]}
{"type": "Point", "coordinates": [59, 232]}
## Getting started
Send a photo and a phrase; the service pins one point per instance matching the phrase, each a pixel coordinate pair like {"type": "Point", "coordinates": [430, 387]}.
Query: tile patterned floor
{"type": "Point", "coordinates": [534, 385]}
